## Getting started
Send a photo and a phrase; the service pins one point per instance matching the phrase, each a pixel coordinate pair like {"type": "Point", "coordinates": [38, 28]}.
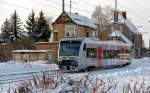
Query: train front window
{"type": "Point", "coordinates": [69, 48]}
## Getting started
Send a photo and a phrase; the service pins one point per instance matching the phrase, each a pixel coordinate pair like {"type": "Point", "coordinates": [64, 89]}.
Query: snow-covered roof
{"type": "Point", "coordinates": [81, 20]}
{"type": "Point", "coordinates": [121, 35]}
{"type": "Point", "coordinates": [35, 51]}
{"type": "Point", "coordinates": [53, 42]}
{"type": "Point", "coordinates": [128, 22]}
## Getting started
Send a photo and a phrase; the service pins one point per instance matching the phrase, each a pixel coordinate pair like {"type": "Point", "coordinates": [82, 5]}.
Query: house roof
{"type": "Point", "coordinates": [128, 22]}
{"type": "Point", "coordinates": [31, 51]}
{"type": "Point", "coordinates": [80, 20]}
{"type": "Point", "coordinates": [118, 33]}
{"type": "Point", "coordinates": [53, 42]}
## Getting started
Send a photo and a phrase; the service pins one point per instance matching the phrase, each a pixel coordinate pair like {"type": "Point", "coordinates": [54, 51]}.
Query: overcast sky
{"type": "Point", "coordinates": [137, 10]}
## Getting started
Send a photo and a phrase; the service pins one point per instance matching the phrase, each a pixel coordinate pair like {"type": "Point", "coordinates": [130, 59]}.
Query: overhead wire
{"type": "Point", "coordinates": [22, 7]}
{"type": "Point", "coordinates": [10, 4]}
{"type": "Point", "coordinates": [139, 9]}
{"type": "Point", "coordinates": [135, 14]}
{"type": "Point", "coordinates": [85, 11]}
{"type": "Point", "coordinates": [36, 1]}
{"type": "Point", "coordinates": [84, 2]}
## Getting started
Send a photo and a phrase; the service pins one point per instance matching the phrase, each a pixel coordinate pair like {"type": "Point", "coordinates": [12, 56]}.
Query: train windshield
{"type": "Point", "coordinates": [69, 48]}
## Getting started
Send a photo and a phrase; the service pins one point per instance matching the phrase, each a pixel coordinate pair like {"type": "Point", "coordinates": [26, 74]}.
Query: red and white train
{"type": "Point", "coordinates": [81, 53]}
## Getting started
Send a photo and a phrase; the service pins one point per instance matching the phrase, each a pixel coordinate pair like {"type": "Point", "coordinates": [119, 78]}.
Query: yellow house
{"type": "Point", "coordinates": [72, 25]}
{"type": "Point", "coordinates": [68, 25]}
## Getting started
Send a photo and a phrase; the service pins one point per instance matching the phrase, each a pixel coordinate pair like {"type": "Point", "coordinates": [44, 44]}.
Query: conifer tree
{"type": "Point", "coordinates": [30, 23]}
{"type": "Point", "coordinates": [17, 32]}
{"type": "Point", "coordinates": [42, 29]}
{"type": "Point", "coordinates": [6, 30]}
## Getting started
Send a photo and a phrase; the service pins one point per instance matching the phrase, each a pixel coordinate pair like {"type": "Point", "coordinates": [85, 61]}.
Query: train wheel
{"type": "Point", "coordinates": [81, 70]}
{"type": "Point", "coordinates": [68, 67]}
{"type": "Point", "coordinates": [128, 63]}
{"type": "Point", "coordinates": [118, 66]}
{"type": "Point", "coordinates": [88, 69]}
{"type": "Point", "coordinates": [124, 65]}
{"type": "Point", "coordinates": [108, 67]}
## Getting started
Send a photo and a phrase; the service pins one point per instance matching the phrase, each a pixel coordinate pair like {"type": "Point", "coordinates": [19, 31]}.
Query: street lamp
{"type": "Point", "coordinates": [149, 44]}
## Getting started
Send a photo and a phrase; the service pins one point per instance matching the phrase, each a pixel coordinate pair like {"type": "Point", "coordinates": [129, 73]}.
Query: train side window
{"type": "Point", "coordinates": [105, 54]}
{"type": "Point", "coordinates": [84, 47]}
{"type": "Point", "coordinates": [112, 54]}
{"type": "Point", "coordinates": [117, 54]}
{"type": "Point", "coordinates": [91, 53]}
{"type": "Point", "coordinates": [108, 54]}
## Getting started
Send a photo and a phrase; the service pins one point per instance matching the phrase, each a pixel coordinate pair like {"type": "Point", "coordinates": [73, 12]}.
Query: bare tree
{"type": "Point", "coordinates": [49, 19]}
{"type": "Point", "coordinates": [102, 16]}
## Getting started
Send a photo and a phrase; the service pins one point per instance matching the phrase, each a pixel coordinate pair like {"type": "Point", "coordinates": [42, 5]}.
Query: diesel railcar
{"type": "Point", "coordinates": [81, 53]}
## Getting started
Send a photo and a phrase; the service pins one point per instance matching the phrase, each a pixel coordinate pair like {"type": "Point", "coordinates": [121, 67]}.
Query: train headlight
{"type": "Point", "coordinates": [60, 58]}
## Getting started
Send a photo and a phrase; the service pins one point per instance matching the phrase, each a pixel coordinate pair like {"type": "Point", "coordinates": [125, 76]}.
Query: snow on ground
{"type": "Point", "coordinates": [13, 67]}
{"type": "Point", "coordinates": [11, 71]}
{"type": "Point", "coordinates": [139, 70]}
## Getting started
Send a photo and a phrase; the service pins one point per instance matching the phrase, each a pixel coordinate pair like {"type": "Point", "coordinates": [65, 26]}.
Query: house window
{"type": "Point", "coordinates": [71, 31]}
{"type": "Point", "coordinates": [91, 34]}
{"type": "Point", "coordinates": [55, 36]}
{"type": "Point", "coordinates": [112, 28]}
{"type": "Point", "coordinates": [121, 28]}
{"type": "Point", "coordinates": [87, 34]}
{"type": "Point", "coordinates": [94, 34]}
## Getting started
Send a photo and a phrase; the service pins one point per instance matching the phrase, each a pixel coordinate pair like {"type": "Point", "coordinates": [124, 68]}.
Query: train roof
{"type": "Point", "coordinates": [80, 39]}
{"type": "Point", "coordinates": [118, 43]}
{"type": "Point", "coordinates": [97, 41]}
{"type": "Point", "coordinates": [110, 42]}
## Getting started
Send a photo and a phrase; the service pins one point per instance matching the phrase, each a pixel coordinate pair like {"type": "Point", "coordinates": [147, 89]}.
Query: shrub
{"type": "Point", "coordinates": [7, 48]}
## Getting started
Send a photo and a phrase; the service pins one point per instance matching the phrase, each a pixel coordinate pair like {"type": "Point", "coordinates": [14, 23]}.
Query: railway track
{"type": "Point", "coordinates": [20, 77]}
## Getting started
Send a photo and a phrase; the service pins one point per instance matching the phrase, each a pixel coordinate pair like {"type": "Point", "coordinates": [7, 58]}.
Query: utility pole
{"type": "Point", "coordinates": [70, 5]}
{"type": "Point", "coordinates": [116, 12]}
{"type": "Point", "coordinates": [116, 5]}
{"type": "Point", "coordinates": [63, 5]}
{"type": "Point", "coordinates": [149, 47]}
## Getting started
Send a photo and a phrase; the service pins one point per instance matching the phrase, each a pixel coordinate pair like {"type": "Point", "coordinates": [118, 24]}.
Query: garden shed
{"type": "Point", "coordinates": [33, 55]}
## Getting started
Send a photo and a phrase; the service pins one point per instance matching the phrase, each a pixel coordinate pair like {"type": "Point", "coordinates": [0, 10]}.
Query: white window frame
{"type": "Point", "coordinates": [75, 30]}
{"type": "Point", "coordinates": [121, 27]}
{"type": "Point", "coordinates": [91, 34]}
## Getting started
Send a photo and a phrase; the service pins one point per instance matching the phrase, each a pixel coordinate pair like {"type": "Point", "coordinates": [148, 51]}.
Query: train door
{"type": "Point", "coordinates": [100, 55]}
{"type": "Point", "coordinates": [122, 55]}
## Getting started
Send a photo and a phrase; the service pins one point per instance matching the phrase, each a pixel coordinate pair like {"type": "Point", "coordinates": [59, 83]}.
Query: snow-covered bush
{"type": "Point", "coordinates": [137, 86]}
{"type": "Point", "coordinates": [62, 84]}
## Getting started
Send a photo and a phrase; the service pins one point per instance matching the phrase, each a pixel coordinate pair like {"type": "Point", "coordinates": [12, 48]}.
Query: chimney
{"type": "Point", "coordinates": [124, 14]}
{"type": "Point", "coordinates": [116, 13]}
{"type": "Point", "coordinates": [77, 13]}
